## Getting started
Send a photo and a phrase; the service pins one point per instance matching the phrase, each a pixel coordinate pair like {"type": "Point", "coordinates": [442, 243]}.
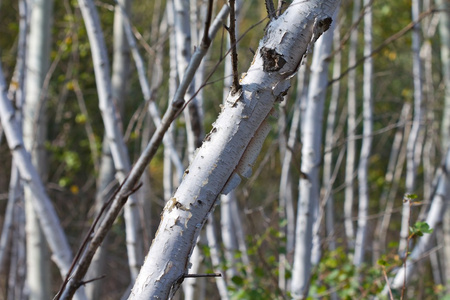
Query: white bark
{"type": "Point", "coordinates": [434, 217]}
{"type": "Point", "coordinates": [307, 248]}
{"type": "Point", "coordinates": [228, 233]}
{"type": "Point", "coordinates": [412, 147]}
{"type": "Point", "coordinates": [287, 210]}
{"type": "Point", "coordinates": [8, 226]}
{"type": "Point", "coordinates": [17, 289]}
{"type": "Point", "coordinates": [351, 129]}
{"type": "Point", "coordinates": [114, 136]}
{"type": "Point", "coordinates": [277, 59]}
{"type": "Point", "coordinates": [215, 257]}
{"type": "Point", "coordinates": [61, 252]}
{"type": "Point", "coordinates": [35, 135]}
{"type": "Point", "coordinates": [363, 168]}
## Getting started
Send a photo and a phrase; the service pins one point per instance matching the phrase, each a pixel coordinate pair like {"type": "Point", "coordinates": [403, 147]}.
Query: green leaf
{"type": "Point", "coordinates": [237, 280]}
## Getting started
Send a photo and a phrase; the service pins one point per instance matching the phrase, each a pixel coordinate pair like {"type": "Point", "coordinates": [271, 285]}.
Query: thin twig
{"type": "Point", "coordinates": [235, 87]}
{"type": "Point", "coordinates": [92, 280]}
{"type": "Point", "coordinates": [202, 275]}
{"type": "Point", "coordinates": [270, 9]}
{"type": "Point", "coordinates": [206, 39]}
{"type": "Point", "coordinates": [388, 284]}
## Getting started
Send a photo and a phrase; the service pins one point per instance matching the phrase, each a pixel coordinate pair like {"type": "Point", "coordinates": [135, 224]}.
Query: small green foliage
{"type": "Point", "coordinates": [419, 229]}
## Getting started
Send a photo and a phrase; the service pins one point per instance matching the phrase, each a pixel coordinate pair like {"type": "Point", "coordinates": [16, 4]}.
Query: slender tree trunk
{"type": "Point", "coordinates": [35, 135]}
{"type": "Point", "coordinates": [435, 216]}
{"type": "Point", "coordinates": [216, 163]}
{"type": "Point", "coordinates": [17, 269]}
{"type": "Point", "coordinates": [215, 257]}
{"type": "Point", "coordinates": [363, 169]}
{"type": "Point", "coordinates": [308, 205]}
{"type": "Point", "coordinates": [329, 144]}
{"type": "Point", "coordinates": [412, 147]}
{"type": "Point", "coordinates": [351, 130]}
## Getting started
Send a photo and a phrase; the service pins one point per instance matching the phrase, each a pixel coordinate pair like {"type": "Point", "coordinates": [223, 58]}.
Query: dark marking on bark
{"type": "Point", "coordinates": [272, 60]}
{"type": "Point", "coordinates": [208, 136]}
{"type": "Point", "coordinates": [324, 24]}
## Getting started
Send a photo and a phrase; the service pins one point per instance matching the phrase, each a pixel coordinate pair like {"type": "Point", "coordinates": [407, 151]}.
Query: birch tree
{"type": "Point", "coordinates": [308, 205]}
{"type": "Point", "coordinates": [363, 180]}
{"type": "Point", "coordinates": [351, 128]}
{"type": "Point", "coordinates": [231, 147]}
{"type": "Point", "coordinates": [35, 136]}
{"type": "Point", "coordinates": [413, 145]}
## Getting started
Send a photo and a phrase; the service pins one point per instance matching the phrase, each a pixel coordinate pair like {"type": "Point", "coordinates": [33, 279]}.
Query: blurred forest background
{"type": "Point", "coordinates": [256, 232]}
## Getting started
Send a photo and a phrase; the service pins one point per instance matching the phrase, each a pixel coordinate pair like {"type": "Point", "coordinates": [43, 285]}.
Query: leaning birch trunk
{"type": "Point", "coordinates": [56, 239]}
{"type": "Point", "coordinates": [411, 163]}
{"type": "Point", "coordinates": [118, 148]}
{"type": "Point", "coordinates": [230, 149]}
{"type": "Point", "coordinates": [16, 93]}
{"type": "Point", "coordinates": [363, 204]}
{"type": "Point", "coordinates": [351, 128]}
{"type": "Point", "coordinates": [307, 248]}
{"type": "Point", "coordinates": [435, 216]}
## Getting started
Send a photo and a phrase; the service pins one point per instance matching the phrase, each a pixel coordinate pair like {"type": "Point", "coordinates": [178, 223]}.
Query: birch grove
{"type": "Point", "coordinates": [151, 145]}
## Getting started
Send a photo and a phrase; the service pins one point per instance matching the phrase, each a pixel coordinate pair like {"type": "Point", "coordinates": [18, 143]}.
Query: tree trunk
{"type": "Point", "coordinates": [351, 131]}
{"type": "Point", "coordinates": [363, 168]}
{"type": "Point", "coordinates": [435, 215]}
{"type": "Point", "coordinates": [221, 158]}
{"type": "Point", "coordinates": [308, 205]}
{"type": "Point", "coordinates": [35, 136]}
{"type": "Point", "coordinates": [327, 184]}
{"type": "Point", "coordinates": [413, 144]}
